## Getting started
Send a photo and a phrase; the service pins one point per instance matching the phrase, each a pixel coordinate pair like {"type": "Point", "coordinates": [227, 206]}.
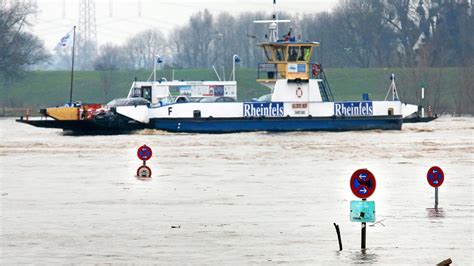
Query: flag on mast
{"type": "Point", "coordinates": [66, 40]}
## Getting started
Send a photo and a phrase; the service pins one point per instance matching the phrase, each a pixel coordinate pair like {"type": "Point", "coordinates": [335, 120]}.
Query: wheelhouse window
{"type": "Point", "coordinates": [137, 92]}
{"type": "Point", "coordinates": [280, 54]}
{"type": "Point", "coordinates": [147, 93]}
{"type": "Point", "coordinates": [293, 53]}
{"type": "Point", "coordinates": [268, 52]}
{"type": "Point", "coordinates": [305, 53]}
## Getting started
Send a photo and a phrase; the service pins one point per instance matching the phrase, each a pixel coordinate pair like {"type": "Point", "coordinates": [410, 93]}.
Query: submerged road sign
{"type": "Point", "coordinates": [144, 153]}
{"type": "Point", "coordinates": [144, 171]}
{"type": "Point", "coordinates": [363, 183]}
{"type": "Point", "coordinates": [435, 176]}
{"type": "Point", "coordinates": [362, 211]}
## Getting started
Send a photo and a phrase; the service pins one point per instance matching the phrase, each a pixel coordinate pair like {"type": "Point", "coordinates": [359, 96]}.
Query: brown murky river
{"type": "Point", "coordinates": [250, 198]}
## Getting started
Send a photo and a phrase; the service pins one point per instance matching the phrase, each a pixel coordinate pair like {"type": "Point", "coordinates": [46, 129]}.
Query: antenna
{"type": "Point", "coordinates": [273, 24]}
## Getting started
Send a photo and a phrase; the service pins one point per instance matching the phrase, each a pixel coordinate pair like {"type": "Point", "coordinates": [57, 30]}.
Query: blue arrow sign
{"type": "Point", "coordinates": [363, 183]}
{"type": "Point", "coordinates": [435, 176]}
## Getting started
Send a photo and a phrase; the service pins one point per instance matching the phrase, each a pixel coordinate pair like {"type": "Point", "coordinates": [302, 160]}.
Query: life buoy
{"type": "Point", "coordinates": [316, 69]}
{"type": "Point", "coordinates": [299, 92]}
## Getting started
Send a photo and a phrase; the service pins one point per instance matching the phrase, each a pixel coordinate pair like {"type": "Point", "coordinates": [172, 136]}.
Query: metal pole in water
{"type": "Point", "coordinates": [423, 102]}
{"type": "Point", "coordinates": [338, 236]}
{"type": "Point", "coordinates": [436, 198]}
{"type": "Point", "coordinates": [363, 233]}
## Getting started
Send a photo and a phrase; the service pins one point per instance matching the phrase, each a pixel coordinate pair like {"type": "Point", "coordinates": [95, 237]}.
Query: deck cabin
{"type": "Point", "coordinates": [290, 74]}
{"type": "Point", "coordinates": [287, 59]}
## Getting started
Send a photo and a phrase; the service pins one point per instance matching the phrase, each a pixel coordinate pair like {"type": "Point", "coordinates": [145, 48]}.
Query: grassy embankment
{"type": "Point", "coordinates": [50, 88]}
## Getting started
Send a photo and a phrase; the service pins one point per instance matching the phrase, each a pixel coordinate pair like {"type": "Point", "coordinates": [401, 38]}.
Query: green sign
{"type": "Point", "coordinates": [362, 211]}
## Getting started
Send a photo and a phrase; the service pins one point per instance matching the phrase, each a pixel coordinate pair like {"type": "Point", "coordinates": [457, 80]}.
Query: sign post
{"type": "Point", "coordinates": [435, 177]}
{"type": "Point", "coordinates": [363, 186]}
{"type": "Point", "coordinates": [144, 153]}
{"type": "Point", "coordinates": [363, 233]}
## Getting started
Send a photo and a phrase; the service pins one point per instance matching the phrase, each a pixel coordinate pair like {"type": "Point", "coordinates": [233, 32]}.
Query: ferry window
{"type": "Point", "coordinates": [268, 52]}
{"type": "Point", "coordinates": [280, 54]}
{"type": "Point", "coordinates": [137, 92]}
{"type": "Point", "coordinates": [293, 53]}
{"type": "Point", "coordinates": [304, 54]}
{"type": "Point", "coordinates": [146, 92]}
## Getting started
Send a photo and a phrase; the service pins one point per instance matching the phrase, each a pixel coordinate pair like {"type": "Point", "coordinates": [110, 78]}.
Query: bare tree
{"type": "Point", "coordinates": [111, 58]}
{"type": "Point", "coordinates": [143, 47]}
{"type": "Point", "coordinates": [249, 36]}
{"type": "Point", "coordinates": [360, 34]}
{"type": "Point", "coordinates": [18, 49]}
{"type": "Point", "coordinates": [226, 41]}
{"type": "Point", "coordinates": [202, 34]}
{"type": "Point", "coordinates": [194, 44]}
{"type": "Point", "coordinates": [179, 43]}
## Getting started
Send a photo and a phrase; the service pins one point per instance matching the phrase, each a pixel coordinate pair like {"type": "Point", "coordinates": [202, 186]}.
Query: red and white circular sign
{"type": "Point", "coordinates": [144, 153]}
{"type": "Point", "coordinates": [363, 183]}
{"type": "Point", "coordinates": [144, 171]}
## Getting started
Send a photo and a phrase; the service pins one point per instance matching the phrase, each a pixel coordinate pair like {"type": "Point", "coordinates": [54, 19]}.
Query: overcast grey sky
{"type": "Point", "coordinates": [117, 20]}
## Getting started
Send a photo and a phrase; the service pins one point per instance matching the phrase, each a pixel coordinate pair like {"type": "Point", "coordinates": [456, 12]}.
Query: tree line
{"type": "Point", "coordinates": [364, 33]}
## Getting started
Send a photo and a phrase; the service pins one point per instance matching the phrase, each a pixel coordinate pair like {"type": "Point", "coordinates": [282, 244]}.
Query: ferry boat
{"type": "Point", "coordinates": [84, 118]}
{"type": "Point", "coordinates": [300, 100]}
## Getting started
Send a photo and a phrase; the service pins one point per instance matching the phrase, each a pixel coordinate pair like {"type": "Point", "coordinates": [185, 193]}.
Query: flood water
{"type": "Point", "coordinates": [249, 198]}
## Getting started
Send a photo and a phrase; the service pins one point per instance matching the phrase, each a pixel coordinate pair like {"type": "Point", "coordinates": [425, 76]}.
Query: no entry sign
{"type": "Point", "coordinates": [435, 176]}
{"type": "Point", "coordinates": [144, 153]}
{"type": "Point", "coordinates": [363, 183]}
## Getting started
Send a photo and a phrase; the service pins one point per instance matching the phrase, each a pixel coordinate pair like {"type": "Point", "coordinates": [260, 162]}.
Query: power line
{"type": "Point", "coordinates": [139, 8]}
{"type": "Point", "coordinates": [63, 5]}
{"type": "Point", "coordinates": [87, 35]}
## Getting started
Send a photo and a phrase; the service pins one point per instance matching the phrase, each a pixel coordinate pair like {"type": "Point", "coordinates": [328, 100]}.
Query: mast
{"type": "Point", "coordinates": [392, 89]}
{"type": "Point", "coordinates": [273, 24]}
{"type": "Point", "coordinates": [72, 65]}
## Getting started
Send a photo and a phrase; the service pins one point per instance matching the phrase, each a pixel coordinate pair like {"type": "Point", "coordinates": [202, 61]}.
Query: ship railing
{"type": "Point", "coordinates": [324, 86]}
{"type": "Point", "coordinates": [268, 71]}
